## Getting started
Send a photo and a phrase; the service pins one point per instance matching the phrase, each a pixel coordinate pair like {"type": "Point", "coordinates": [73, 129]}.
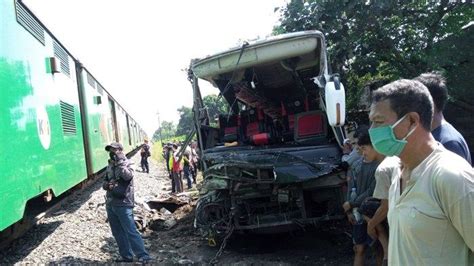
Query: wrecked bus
{"type": "Point", "coordinates": [272, 162]}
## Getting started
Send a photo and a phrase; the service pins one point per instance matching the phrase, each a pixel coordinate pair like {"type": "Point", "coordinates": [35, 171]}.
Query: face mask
{"type": "Point", "coordinates": [112, 155]}
{"type": "Point", "coordinates": [384, 141]}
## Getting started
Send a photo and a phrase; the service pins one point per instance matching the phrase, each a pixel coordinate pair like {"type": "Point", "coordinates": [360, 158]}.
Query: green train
{"type": "Point", "coordinates": [55, 117]}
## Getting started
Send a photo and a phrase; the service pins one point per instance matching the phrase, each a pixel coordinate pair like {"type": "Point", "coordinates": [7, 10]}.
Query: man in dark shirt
{"type": "Point", "coordinates": [166, 157]}
{"type": "Point", "coordinates": [361, 186]}
{"type": "Point", "coordinates": [441, 130]}
{"type": "Point", "coordinates": [145, 153]}
{"type": "Point", "coordinates": [119, 205]}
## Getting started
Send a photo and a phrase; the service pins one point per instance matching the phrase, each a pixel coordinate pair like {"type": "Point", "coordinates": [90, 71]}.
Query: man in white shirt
{"type": "Point", "coordinates": [431, 202]}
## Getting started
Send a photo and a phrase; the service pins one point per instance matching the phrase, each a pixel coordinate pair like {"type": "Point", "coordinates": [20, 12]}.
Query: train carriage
{"type": "Point", "coordinates": [40, 125]}
{"type": "Point", "coordinates": [97, 118]}
{"type": "Point", "coordinates": [55, 118]}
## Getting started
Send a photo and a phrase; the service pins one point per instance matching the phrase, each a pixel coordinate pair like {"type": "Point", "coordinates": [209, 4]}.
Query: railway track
{"type": "Point", "coordinates": [38, 210]}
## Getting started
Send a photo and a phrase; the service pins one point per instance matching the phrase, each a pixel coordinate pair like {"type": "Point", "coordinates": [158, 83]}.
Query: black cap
{"type": "Point", "coordinates": [114, 145]}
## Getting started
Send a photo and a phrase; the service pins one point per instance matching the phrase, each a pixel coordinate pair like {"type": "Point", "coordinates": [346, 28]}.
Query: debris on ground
{"type": "Point", "coordinates": [163, 213]}
{"type": "Point", "coordinates": [79, 233]}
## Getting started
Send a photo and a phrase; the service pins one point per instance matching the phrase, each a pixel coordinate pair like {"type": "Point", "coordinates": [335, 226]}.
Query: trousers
{"type": "Point", "coordinates": [129, 240]}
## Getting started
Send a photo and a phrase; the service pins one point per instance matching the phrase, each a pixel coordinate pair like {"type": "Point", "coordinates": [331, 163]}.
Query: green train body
{"type": "Point", "coordinates": [55, 118]}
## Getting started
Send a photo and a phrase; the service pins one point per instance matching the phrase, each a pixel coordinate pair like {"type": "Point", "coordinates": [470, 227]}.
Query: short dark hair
{"type": "Point", "coordinates": [436, 84]}
{"type": "Point", "coordinates": [407, 96]}
{"type": "Point", "coordinates": [362, 135]}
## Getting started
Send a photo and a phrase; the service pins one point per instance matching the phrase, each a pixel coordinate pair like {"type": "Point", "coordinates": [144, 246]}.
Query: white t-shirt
{"type": "Point", "coordinates": [389, 167]}
{"type": "Point", "coordinates": [432, 221]}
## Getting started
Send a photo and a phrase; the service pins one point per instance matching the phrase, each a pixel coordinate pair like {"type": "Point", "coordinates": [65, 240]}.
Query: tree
{"type": "Point", "coordinates": [168, 130]}
{"type": "Point", "coordinates": [156, 136]}
{"type": "Point", "coordinates": [378, 41]}
{"type": "Point", "coordinates": [185, 123]}
{"type": "Point", "coordinates": [215, 106]}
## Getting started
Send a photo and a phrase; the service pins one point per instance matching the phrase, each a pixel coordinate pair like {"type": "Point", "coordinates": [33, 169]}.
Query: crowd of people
{"type": "Point", "coordinates": [182, 163]}
{"type": "Point", "coordinates": [410, 179]}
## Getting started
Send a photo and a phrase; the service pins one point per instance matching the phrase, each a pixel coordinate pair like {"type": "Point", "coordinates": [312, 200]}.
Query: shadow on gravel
{"type": "Point", "coordinates": [301, 247]}
{"type": "Point", "coordinates": [75, 201]}
{"type": "Point", "coordinates": [73, 260]}
{"type": "Point", "coordinates": [22, 247]}
{"type": "Point", "coordinates": [313, 246]}
{"type": "Point", "coordinates": [110, 247]}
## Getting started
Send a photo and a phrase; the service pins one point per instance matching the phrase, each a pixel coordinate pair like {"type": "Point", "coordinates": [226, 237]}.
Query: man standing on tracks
{"type": "Point", "coordinates": [145, 153]}
{"type": "Point", "coordinates": [175, 167]}
{"type": "Point", "coordinates": [119, 205]}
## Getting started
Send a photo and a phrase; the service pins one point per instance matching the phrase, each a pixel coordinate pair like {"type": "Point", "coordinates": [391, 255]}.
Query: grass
{"type": "Point", "coordinates": [157, 149]}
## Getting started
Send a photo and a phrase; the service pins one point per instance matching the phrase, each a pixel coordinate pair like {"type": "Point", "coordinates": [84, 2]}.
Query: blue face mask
{"type": "Point", "coordinates": [384, 141]}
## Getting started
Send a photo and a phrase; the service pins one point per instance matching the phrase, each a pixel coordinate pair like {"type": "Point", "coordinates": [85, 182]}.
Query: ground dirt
{"type": "Point", "coordinates": [79, 234]}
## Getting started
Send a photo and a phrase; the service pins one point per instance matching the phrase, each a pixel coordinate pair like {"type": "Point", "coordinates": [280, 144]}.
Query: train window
{"type": "Point", "coordinates": [97, 100]}
{"type": "Point", "coordinates": [90, 80]}
{"type": "Point", "coordinates": [29, 22]}
{"type": "Point", "coordinates": [52, 65]}
{"type": "Point", "coordinates": [68, 118]}
{"type": "Point", "coordinates": [60, 53]}
{"type": "Point", "coordinates": [100, 89]}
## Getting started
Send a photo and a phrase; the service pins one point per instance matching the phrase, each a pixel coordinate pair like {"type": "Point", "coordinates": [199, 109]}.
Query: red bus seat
{"type": "Point", "coordinates": [229, 128]}
{"type": "Point", "coordinates": [310, 127]}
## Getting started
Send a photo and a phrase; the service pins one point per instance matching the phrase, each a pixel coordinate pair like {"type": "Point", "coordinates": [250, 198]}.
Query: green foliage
{"type": "Point", "coordinates": [370, 42]}
{"type": "Point", "coordinates": [185, 123]}
{"type": "Point", "coordinates": [215, 106]}
{"type": "Point", "coordinates": [157, 151]}
{"type": "Point", "coordinates": [455, 55]}
{"type": "Point", "coordinates": [167, 130]}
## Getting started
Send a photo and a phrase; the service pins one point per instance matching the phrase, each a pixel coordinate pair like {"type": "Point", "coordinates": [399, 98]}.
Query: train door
{"type": "Point", "coordinates": [113, 119]}
{"type": "Point", "coordinates": [134, 132]}
{"type": "Point", "coordinates": [128, 131]}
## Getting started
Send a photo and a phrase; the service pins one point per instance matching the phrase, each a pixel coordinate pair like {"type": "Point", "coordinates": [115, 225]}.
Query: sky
{"type": "Point", "coordinates": [137, 49]}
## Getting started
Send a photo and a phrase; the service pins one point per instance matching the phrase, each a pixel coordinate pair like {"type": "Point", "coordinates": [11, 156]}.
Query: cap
{"type": "Point", "coordinates": [114, 145]}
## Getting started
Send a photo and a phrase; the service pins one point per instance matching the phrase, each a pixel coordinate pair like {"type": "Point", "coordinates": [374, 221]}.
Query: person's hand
{"type": "Point", "coordinates": [346, 206]}
{"type": "Point", "coordinates": [351, 218]}
{"type": "Point", "coordinates": [105, 185]}
{"type": "Point", "coordinates": [348, 178]}
{"type": "Point", "coordinates": [371, 230]}
{"type": "Point", "coordinates": [346, 149]}
{"type": "Point", "coordinates": [112, 184]}
{"type": "Point", "coordinates": [108, 185]}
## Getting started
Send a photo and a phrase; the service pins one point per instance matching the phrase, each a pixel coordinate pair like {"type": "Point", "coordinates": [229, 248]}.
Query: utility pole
{"type": "Point", "coordinates": [159, 126]}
